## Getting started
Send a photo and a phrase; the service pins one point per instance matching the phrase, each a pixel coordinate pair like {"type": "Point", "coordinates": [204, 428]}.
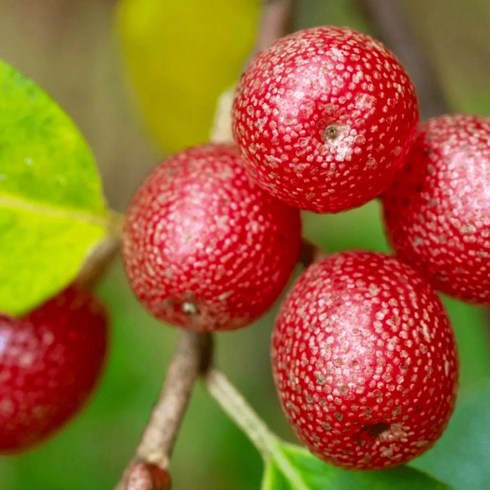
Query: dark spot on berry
{"type": "Point", "coordinates": [371, 432]}
{"type": "Point", "coordinates": [375, 430]}
{"type": "Point", "coordinates": [331, 132]}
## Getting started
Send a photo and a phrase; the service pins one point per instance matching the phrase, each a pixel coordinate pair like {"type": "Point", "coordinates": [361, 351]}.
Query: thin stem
{"type": "Point", "coordinates": [155, 448]}
{"type": "Point", "coordinates": [233, 403]}
{"type": "Point", "coordinates": [237, 408]}
{"type": "Point", "coordinates": [274, 23]}
{"type": "Point", "coordinates": [101, 258]}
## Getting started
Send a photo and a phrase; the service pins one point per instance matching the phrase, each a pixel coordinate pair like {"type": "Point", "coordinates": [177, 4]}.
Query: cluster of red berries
{"type": "Point", "coordinates": [363, 354]}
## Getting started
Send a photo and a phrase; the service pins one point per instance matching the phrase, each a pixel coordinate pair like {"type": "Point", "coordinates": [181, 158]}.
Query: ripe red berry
{"type": "Point", "coordinates": [50, 361]}
{"type": "Point", "coordinates": [437, 212]}
{"type": "Point", "coordinates": [205, 248]}
{"type": "Point", "coordinates": [146, 476]}
{"type": "Point", "coordinates": [324, 118]}
{"type": "Point", "coordinates": [365, 361]}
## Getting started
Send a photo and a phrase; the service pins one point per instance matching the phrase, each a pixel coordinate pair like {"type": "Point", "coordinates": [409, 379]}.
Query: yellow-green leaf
{"type": "Point", "coordinates": [305, 472]}
{"type": "Point", "coordinates": [52, 210]}
{"type": "Point", "coordinates": [181, 56]}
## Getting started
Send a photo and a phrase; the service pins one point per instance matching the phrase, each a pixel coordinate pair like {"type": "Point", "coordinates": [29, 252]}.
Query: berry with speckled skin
{"type": "Point", "coordinates": [50, 362]}
{"type": "Point", "coordinates": [365, 361]}
{"type": "Point", "coordinates": [437, 213]}
{"type": "Point", "coordinates": [325, 118]}
{"type": "Point", "coordinates": [205, 248]}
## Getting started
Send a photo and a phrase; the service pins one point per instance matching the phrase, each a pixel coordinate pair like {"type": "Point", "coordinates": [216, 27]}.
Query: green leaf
{"type": "Point", "coordinates": [52, 210]}
{"type": "Point", "coordinates": [181, 55]}
{"type": "Point", "coordinates": [273, 478]}
{"type": "Point", "coordinates": [462, 454]}
{"type": "Point", "coordinates": [471, 329]}
{"type": "Point", "coordinates": [310, 473]}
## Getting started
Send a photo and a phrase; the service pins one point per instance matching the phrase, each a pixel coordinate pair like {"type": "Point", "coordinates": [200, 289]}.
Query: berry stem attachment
{"type": "Point", "coordinates": [191, 356]}
{"type": "Point", "coordinates": [275, 21]}
{"type": "Point", "coordinates": [237, 408]}
{"type": "Point", "coordinates": [310, 253]}
{"type": "Point", "coordinates": [101, 258]}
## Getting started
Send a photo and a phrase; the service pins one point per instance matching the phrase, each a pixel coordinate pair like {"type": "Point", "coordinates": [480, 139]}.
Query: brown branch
{"type": "Point", "coordinates": [192, 355]}
{"type": "Point", "coordinates": [395, 31]}
{"type": "Point", "coordinates": [275, 22]}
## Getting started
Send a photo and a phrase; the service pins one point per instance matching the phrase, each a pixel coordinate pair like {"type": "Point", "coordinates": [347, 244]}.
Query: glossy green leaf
{"type": "Point", "coordinates": [273, 478]}
{"type": "Point", "coordinates": [181, 56]}
{"type": "Point", "coordinates": [310, 473]}
{"type": "Point", "coordinates": [52, 211]}
{"type": "Point", "coordinates": [462, 456]}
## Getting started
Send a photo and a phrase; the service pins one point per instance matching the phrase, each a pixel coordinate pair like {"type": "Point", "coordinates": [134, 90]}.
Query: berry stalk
{"type": "Point", "coordinates": [102, 257]}
{"type": "Point", "coordinates": [191, 356]}
{"type": "Point", "coordinates": [237, 408]}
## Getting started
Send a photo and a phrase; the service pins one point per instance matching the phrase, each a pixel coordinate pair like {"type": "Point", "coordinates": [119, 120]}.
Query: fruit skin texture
{"type": "Point", "coordinates": [364, 361]}
{"type": "Point", "coordinates": [205, 248]}
{"type": "Point", "coordinates": [325, 118]}
{"type": "Point", "coordinates": [437, 212]}
{"type": "Point", "coordinates": [50, 362]}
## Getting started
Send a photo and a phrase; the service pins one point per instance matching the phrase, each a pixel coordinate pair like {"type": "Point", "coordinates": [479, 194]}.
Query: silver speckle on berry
{"type": "Point", "coordinates": [365, 361]}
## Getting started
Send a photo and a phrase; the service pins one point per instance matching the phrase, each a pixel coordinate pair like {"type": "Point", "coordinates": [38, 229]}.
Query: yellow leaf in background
{"type": "Point", "coordinates": [181, 55]}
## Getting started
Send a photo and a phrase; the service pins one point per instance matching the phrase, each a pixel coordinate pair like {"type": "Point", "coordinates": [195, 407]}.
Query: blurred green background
{"type": "Point", "coordinates": [69, 48]}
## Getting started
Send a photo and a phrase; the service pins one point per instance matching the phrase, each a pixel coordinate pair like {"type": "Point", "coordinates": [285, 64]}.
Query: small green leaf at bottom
{"type": "Point", "coordinates": [313, 474]}
{"type": "Point", "coordinates": [462, 454]}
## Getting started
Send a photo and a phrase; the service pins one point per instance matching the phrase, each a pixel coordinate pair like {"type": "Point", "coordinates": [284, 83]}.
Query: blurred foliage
{"type": "Point", "coordinates": [212, 454]}
{"type": "Point", "coordinates": [181, 56]}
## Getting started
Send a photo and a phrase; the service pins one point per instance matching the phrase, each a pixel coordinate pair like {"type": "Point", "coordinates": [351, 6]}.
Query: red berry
{"type": "Point", "coordinates": [204, 247]}
{"type": "Point", "coordinates": [437, 212]}
{"type": "Point", "coordinates": [146, 476]}
{"type": "Point", "coordinates": [365, 361]}
{"type": "Point", "coordinates": [324, 118]}
{"type": "Point", "coordinates": [50, 361]}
